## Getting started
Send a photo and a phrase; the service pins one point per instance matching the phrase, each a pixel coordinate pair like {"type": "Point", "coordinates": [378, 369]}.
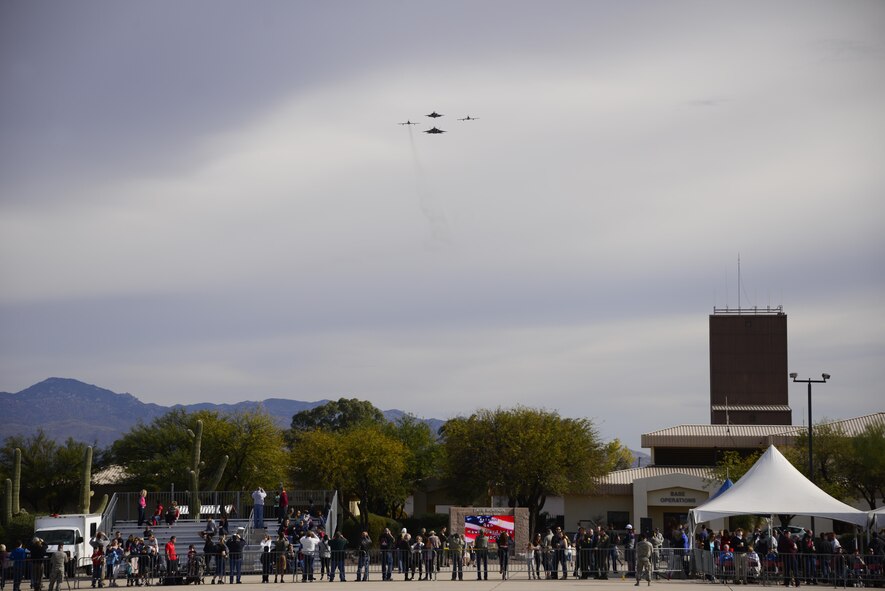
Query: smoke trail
{"type": "Point", "coordinates": [427, 202]}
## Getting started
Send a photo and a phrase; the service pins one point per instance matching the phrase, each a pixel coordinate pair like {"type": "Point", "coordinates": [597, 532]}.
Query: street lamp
{"type": "Point", "coordinates": [809, 381]}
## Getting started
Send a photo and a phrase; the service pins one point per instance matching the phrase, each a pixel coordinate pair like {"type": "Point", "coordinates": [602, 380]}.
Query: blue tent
{"type": "Point", "coordinates": [725, 486]}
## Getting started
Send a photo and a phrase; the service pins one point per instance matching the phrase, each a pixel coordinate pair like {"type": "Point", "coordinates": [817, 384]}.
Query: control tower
{"type": "Point", "coordinates": [748, 367]}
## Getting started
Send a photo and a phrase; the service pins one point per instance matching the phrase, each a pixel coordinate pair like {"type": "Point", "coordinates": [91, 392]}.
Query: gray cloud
{"type": "Point", "coordinates": [214, 201]}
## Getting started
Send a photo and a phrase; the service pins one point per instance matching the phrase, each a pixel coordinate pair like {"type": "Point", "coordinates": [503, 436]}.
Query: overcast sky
{"type": "Point", "coordinates": [212, 201]}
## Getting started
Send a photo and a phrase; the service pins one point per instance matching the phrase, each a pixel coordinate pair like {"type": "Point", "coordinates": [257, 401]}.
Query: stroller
{"type": "Point", "coordinates": [196, 569]}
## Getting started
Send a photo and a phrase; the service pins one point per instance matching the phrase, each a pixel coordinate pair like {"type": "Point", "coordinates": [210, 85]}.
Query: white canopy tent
{"type": "Point", "coordinates": [773, 486]}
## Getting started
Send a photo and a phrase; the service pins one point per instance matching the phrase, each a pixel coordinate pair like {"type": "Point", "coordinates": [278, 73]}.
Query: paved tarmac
{"type": "Point", "coordinates": [253, 583]}
{"type": "Point", "coordinates": [444, 583]}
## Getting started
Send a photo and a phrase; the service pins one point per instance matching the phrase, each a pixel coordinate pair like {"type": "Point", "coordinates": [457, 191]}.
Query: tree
{"type": "Point", "coordinates": [524, 454]}
{"type": "Point", "coordinates": [256, 448]}
{"type": "Point", "coordinates": [362, 463]}
{"type": "Point", "coordinates": [734, 464]}
{"type": "Point", "coordinates": [865, 467]}
{"type": "Point", "coordinates": [159, 454]}
{"type": "Point", "coordinates": [336, 415]}
{"type": "Point", "coordinates": [845, 466]}
{"type": "Point", "coordinates": [50, 472]}
{"type": "Point", "coordinates": [618, 456]}
{"type": "Point", "coordinates": [422, 454]}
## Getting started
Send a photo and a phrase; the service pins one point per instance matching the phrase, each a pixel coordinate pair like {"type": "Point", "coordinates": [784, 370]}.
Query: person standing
{"type": "Point", "coordinates": [584, 548]}
{"type": "Point", "coordinates": [266, 558]}
{"type": "Point", "coordinates": [308, 550]}
{"type": "Point", "coordinates": [503, 542]}
{"type": "Point", "coordinates": [530, 560]}
{"type": "Point", "coordinates": [113, 557]}
{"type": "Point", "coordinates": [386, 544]}
{"type": "Point", "coordinates": [325, 553]}
{"type": "Point", "coordinates": [559, 545]}
{"type": "Point", "coordinates": [280, 549]}
{"type": "Point", "coordinates": [57, 568]}
{"type": "Point", "coordinates": [644, 552]}
{"type": "Point", "coordinates": [427, 554]}
{"type": "Point", "coordinates": [362, 567]}
{"type": "Point", "coordinates": [142, 507]}
{"type": "Point", "coordinates": [786, 549]}
{"type": "Point", "coordinates": [258, 497]}
{"type": "Point", "coordinates": [284, 504]}
{"type": "Point", "coordinates": [481, 546]}
{"type": "Point", "coordinates": [4, 565]}
{"type": "Point", "coordinates": [657, 542]}
{"type": "Point", "coordinates": [630, 551]}
{"type": "Point", "coordinates": [417, 557]}
{"type": "Point", "coordinates": [97, 565]}
{"type": "Point", "coordinates": [547, 553]}
{"type": "Point", "coordinates": [171, 557]}
{"type": "Point", "coordinates": [235, 550]}
{"type": "Point", "coordinates": [38, 555]}
{"type": "Point", "coordinates": [403, 553]}
{"type": "Point", "coordinates": [456, 550]}
{"type": "Point", "coordinates": [436, 546]}
{"type": "Point", "coordinates": [442, 558]}
{"type": "Point", "coordinates": [338, 546]}
{"type": "Point", "coordinates": [19, 558]}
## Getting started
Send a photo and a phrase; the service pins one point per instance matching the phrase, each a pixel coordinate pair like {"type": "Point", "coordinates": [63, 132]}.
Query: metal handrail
{"type": "Point", "coordinates": [108, 517]}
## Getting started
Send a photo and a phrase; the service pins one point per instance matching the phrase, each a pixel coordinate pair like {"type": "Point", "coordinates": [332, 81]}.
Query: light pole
{"type": "Point", "coordinates": [809, 381]}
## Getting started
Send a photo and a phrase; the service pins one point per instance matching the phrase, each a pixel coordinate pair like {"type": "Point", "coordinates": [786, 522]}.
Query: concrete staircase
{"type": "Point", "coordinates": [186, 532]}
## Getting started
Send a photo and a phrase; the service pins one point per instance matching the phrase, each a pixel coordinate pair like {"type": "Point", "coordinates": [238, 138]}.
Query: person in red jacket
{"type": "Point", "coordinates": [171, 556]}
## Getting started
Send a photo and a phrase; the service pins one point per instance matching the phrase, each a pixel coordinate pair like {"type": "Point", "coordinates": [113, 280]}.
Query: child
{"type": "Point", "coordinates": [158, 516]}
{"type": "Point", "coordinates": [530, 560]}
{"type": "Point", "coordinates": [97, 566]}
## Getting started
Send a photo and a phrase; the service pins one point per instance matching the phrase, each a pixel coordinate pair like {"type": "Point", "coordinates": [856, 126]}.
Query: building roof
{"type": "Point", "coordinates": [620, 482]}
{"type": "Point", "coordinates": [745, 436]}
{"type": "Point", "coordinates": [113, 474]}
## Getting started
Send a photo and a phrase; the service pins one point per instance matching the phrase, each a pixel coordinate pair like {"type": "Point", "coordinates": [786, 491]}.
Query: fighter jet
{"type": "Point", "coordinates": [469, 118]}
{"type": "Point", "coordinates": [434, 130]}
{"type": "Point", "coordinates": [407, 122]}
{"type": "Point", "coordinates": [435, 115]}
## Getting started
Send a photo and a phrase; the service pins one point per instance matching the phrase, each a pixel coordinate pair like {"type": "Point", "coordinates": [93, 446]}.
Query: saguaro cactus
{"type": "Point", "coordinates": [16, 481]}
{"type": "Point", "coordinates": [86, 491]}
{"type": "Point", "coordinates": [196, 466]}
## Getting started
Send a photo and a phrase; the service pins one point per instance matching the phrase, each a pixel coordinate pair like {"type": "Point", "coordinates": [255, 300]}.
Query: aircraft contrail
{"type": "Point", "coordinates": [435, 216]}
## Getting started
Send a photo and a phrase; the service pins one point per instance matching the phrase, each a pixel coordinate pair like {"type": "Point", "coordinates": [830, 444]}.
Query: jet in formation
{"type": "Point", "coordinates": [434, 115]}
{"type": "Point", "coordinates": [407, 122]}
{"type": "Point", "coordinates": [469, 118]}
{"type": "Point", "coordinates": [434, 130]}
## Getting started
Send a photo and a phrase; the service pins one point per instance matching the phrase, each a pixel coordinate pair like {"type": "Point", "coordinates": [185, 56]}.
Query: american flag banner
{"type": "Point", "coordinates": [492, 525]}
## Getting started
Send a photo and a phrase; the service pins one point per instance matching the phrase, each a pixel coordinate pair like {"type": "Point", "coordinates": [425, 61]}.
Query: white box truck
{"type": "Point", "coordinates": [73, 532]}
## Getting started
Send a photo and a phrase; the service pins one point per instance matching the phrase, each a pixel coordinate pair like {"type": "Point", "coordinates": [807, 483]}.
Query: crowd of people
{"type": "Point", "coordinates": [793, 557]}
{"type": "Point", "coordinates": [298, 545]}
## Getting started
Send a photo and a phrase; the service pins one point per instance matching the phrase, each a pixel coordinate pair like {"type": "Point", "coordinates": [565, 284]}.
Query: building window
{"type": "Point", "coordinates": [618, 519]}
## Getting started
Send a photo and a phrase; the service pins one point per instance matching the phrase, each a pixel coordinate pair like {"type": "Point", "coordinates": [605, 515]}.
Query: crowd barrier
{"type": "Point", "coordinates": [836, 570]}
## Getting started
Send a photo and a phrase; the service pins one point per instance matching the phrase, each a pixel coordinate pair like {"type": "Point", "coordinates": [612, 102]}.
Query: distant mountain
{"type": "Point", "coordinates": [66, 408]}
{"type": "Point", "coordinates": [640, 458]}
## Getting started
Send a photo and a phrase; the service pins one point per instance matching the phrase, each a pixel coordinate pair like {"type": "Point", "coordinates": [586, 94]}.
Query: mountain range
{"type": "Point", "coordinates": [64, 408]}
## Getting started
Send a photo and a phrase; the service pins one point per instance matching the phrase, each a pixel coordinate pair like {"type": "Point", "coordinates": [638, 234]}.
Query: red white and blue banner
{"type": "Point", "coordinates": [492, 525]}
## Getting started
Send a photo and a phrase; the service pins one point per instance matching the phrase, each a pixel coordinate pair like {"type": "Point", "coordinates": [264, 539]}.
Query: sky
{"type": "Point", "coordinates": [212, 200]}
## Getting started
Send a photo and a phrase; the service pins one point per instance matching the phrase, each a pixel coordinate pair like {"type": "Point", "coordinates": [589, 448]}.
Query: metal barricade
{"type": "Point", "coordinates": [836, 570]}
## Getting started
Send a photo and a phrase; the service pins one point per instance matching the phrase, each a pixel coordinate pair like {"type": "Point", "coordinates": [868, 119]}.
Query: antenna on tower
{"type": "Point", "coordinates": [739, 281]}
